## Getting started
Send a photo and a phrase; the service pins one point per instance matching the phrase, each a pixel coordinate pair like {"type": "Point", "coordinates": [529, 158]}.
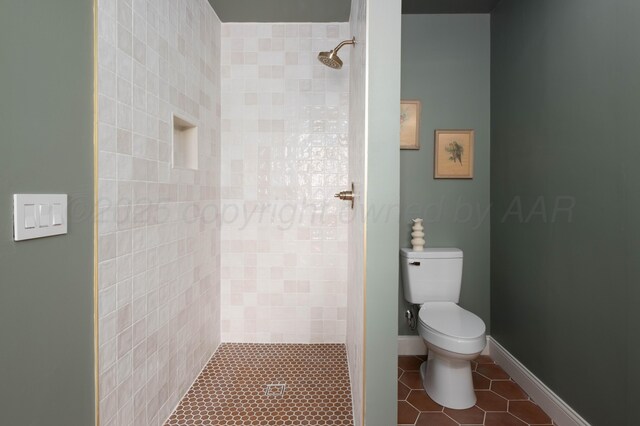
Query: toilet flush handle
{"type": "Point", "coordinates": [414, 263]}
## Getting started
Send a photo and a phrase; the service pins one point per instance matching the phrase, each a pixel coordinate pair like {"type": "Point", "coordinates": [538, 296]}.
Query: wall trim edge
{"type": "Point", "coordinates": [559, 411]}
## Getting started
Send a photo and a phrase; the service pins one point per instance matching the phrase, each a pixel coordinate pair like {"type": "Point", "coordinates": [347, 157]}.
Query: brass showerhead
{"type": "Point", "coordinates": [331, 58]}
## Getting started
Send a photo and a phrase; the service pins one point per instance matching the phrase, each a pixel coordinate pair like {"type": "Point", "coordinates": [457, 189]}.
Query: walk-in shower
{"type": "Point", "coordinates": [331, 58]}
{"type": "Point", "coordinates": [182, 276]}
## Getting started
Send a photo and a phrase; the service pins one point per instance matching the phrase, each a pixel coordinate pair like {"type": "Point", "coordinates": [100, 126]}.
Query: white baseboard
{"type": "Point", "coordinates": [559, 411]}
{"type": "Point", "coordinates": [414, 345]}
{"type": "Point", "coordinates": [411, 345]}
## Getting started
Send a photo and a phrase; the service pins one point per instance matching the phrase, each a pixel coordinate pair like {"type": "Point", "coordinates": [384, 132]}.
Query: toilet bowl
{"type": "Point", "coordinates": [453, 336]}
{"type": "Point", "coordinates": [432, 278]}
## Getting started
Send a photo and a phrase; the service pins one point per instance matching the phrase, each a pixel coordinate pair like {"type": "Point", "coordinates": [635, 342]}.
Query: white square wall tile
{"type": "Point", "coordinates": [157, 59]}
{"type": "Point", "coordinates": [290, 135]}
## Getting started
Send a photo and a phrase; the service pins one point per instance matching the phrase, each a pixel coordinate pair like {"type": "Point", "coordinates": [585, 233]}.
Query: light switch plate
{"type": "Point", "coordinates": [39, 215]}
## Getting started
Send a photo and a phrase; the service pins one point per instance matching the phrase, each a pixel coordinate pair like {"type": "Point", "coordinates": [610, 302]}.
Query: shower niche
{"type": "Point", "coordinates": [185, 144]}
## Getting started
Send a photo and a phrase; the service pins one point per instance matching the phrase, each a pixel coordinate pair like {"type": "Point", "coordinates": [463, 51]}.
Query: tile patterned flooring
{"type": "Point", "coordinates": [233, 387]}
{"type": "Point", "coordinates": [312, 388]}
{"type": "Point", "coordinates": [501, 402]}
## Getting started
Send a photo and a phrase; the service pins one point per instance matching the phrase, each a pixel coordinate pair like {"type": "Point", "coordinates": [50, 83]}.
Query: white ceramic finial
{"type": "Point", "coordinates": [417, 236]}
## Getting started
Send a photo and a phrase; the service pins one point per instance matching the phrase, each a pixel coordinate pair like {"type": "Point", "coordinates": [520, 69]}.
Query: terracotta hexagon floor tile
{"type": "Point", "coordinates": [508, 389]}
{"type": "Point", "coordinates": [411, 379]}
{"type": "Point", "coordinates": [494, 397]}
{"type": "Point", "coordinates": [435, 419]}
{"type": "Point", "coordinates": [489, 401]}
{"type": "Point", "coordinates": [492, 371]}
{"type": "Point", "coordinates": [407, 414]}
{"type": "Point", "coordinates": [502, 419]}
{"type": "Point", "coordinates": [422, 401]}
{"type": "Point", "coordinates": [403, 392]}
{"type": "Point", "coordinates": [409, 363]}
{"type": "Point", "coordinates": [528, 412]}
{"type": "Point", "coordinates": [480, 382]}
{"type": "Point", "coordinates": [470, 416]}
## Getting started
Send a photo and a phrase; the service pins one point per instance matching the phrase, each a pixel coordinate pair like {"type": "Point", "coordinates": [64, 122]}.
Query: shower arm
{"type": "Point", "coordinates": [342, 43]}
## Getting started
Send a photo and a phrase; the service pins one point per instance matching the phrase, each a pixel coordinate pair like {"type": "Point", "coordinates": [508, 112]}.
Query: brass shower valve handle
{"type": "Point", "coordinates": [346, 195]}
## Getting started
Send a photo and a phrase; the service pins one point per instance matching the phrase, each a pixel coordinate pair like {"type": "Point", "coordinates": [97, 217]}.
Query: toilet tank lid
{"type": "Point", "coordinates": [432, 253]}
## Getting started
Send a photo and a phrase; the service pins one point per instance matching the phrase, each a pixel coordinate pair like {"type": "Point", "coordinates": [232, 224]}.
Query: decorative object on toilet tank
{"type": "Point", "coordinates": [453, 154]}
{"type": "Point", "coordinates": [410, 125]}
{"type": "Point", "coordinates": [417, 235]}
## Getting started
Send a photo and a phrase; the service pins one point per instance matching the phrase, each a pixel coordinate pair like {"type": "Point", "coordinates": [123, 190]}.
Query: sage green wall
{"type": "Point", "coordinates": [448, 6]}
{"type": "Point", "coordinates": [382, 186]}
{"type": "Point", "coordinates": [565, 108]}
{"type": "Point", "coordinates": [445, 65]}
{"type": "Point", "coordinates": [46, 290]}
{"type": "Point", "coordinates": [282, 10]}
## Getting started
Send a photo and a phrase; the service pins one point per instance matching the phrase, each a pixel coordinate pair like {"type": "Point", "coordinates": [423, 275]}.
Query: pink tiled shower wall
{"type": "Point", "coordinates": [284, 154]}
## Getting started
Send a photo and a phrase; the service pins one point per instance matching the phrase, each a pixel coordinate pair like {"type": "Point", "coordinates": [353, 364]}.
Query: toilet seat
{"type": "Point", "coordinates": [449, 327]}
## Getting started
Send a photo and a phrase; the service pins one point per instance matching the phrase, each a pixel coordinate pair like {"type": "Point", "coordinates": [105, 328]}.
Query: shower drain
{"type": "Point", "coordinates": [274, 390]}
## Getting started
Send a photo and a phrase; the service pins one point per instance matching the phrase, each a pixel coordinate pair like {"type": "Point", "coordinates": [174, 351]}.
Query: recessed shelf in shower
{"type": "Point", "coordinates": [185, 144]}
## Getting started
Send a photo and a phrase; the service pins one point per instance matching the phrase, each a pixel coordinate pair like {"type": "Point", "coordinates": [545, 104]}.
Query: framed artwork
{"type": "Point", "coordinates": [453, 154]}
{"type": "Point", "coordinates": [410, 125]}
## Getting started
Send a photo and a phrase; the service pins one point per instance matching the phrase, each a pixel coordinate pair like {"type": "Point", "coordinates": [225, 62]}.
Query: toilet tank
{"type": "Point", "coordinates": [432, 275]}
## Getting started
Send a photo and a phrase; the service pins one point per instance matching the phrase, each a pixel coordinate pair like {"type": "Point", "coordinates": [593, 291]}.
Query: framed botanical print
{"type": "Point", "coordinates": [453, 154]}
{"type": "Point", "coordinates": [410, 125]}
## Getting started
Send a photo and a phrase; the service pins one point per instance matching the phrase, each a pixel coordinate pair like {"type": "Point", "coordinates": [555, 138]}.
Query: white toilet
{"type": "Point", "coordinates": [454, 336]}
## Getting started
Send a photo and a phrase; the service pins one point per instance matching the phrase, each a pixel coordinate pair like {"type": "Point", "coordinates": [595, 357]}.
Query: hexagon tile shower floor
{"type": "Point", "coordinates": [270, 384]}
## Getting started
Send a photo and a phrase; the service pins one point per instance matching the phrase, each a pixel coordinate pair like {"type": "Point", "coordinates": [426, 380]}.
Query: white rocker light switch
{"type": "Point", "coordinates": [39, 215]}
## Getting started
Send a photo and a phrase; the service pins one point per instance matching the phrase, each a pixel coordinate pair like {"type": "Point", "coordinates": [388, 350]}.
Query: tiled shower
{"type": "Point", "coordinates": [284, 155]}
{"type": "Point", "coordinates": [246, 244]}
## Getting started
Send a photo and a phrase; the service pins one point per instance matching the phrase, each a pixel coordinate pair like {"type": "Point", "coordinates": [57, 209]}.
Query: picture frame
{"type": "Point", "coordinates": [410, 124]}
{"type": "Point", "coordinates": [453, 154]}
